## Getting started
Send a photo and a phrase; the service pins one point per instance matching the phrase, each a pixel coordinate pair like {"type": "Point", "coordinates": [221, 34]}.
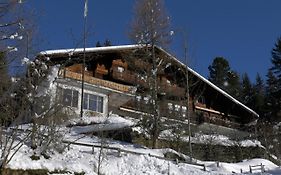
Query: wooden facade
{"type": "Point", "coordinates": [120, 69]}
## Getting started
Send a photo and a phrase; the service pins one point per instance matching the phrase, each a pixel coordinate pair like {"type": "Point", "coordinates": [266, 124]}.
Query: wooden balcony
{"type": "Point", "coordinates": [96, 81]}
{"type": "Point", "coordinates": [216, 117]}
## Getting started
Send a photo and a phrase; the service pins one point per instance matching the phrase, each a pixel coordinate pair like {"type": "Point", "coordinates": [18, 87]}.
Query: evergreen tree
{"type": "Point", "coordinates": [272, 103]}
{"type": "Point", "coordinates": [259, 96]}
{"type": "Point", "coordinates": [276, 59]}
{"type": "Point", "coordinates": [274, 81]}
{"type": "Point", "coordinates": [247, 91]}
{"type": "Point", "coordinates": [98, 44]}
{"type": "Point", "coordinates": [107, 43]}
{"type": "Point", "coordinates": [233, 87]}
{"type": "Point", "coordinates": [219, 71]}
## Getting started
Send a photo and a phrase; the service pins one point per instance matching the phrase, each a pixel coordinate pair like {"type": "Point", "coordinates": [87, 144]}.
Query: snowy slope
{"type": "Point", "coordinates": [83, 159]}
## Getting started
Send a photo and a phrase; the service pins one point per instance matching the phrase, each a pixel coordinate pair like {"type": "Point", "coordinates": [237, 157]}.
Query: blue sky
{"type": "Point", "coordinates": [243, 31]}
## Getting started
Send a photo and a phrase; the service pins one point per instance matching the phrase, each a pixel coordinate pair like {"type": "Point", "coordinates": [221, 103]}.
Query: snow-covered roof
{"type": "Point", "coordinates": [212, 85]}
{"type": "Point", "coordinates": [92, 49]}
{"type": "Point", "coordinates": [138, 46]}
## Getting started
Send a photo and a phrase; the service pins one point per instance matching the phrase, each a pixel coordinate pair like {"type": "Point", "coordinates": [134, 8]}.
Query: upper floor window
{"type": "Point", "coordinates": [201, 100]}
{"type": "Point", "coordinates": [70, 97]}
{"type": "Point", "coordinates": [93, 102]}
{"type": "Point", "coordinates": [120, 69]}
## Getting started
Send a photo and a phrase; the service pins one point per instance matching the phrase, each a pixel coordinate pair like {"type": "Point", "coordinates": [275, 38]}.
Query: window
{"type": "Point", "coordinates": [170, 106]}
{"type": "Point", "coordinates": [177, 107]}
{"type": "Point", "coordinates": [120, 69]}
{"type": "Point", "coordinates": [70, 97]}
{"type": "Point", "coordinates": [201, 100]}
{"type": "Point", "coordinates": [93, 102]}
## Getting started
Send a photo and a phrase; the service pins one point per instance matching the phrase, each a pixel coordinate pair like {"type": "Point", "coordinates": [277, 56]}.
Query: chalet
{"type": "Point", "coordinates": [116, 79]}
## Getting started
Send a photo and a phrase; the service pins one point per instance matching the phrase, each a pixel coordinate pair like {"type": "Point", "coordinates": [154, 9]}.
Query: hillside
{"type": "Point", "coordinates": [117, 157]}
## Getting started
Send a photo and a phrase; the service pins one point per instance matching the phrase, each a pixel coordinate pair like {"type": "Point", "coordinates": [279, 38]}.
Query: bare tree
{"type": "Point", "coordinates": [150, 27]}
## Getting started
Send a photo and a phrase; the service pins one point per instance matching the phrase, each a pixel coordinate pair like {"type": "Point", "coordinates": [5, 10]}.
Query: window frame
{"type": "Point", "coordinates": [93, 102]}
{"type": "Point", "coordinates": [72, 95]}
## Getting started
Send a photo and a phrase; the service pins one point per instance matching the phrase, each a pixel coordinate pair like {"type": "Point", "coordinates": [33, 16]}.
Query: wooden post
{"type": "Point", "coordinates": [177, 161]}
{"type": "Point", "coordinates": [241, 171]}
{"type": "Point", "coordinates": [93, 149]}
{"type": "Point", "coordinates": [218, 164]}
{"type": "Point", "coordinates": [262, 168]}
{"type": "Point", "coordinates": [250, 169]}
{"type": "Point", "coordinates": [204, 168]}
{"type": "Point", "coordinates": [119, 152]}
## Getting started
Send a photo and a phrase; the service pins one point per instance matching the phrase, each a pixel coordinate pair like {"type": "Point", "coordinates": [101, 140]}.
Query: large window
{"type": "Point", "coordinates": [70, 97]}
{"type": "Point", "coordinates": [93, 102]}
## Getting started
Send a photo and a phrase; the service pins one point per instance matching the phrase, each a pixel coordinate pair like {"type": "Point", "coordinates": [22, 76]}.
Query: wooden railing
{"type": "Point", "coordinates": [120, 151]}
{"type": "Point", "coordinates": [131, 77]}
{"type": "Point", "coordinates": [96, 81]}
{"type": "Point", "coordinates": [216, 117]}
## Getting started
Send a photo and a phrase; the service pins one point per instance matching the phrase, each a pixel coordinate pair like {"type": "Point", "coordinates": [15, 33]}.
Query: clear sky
{"type": "Point", "coordinates": [243, 31]}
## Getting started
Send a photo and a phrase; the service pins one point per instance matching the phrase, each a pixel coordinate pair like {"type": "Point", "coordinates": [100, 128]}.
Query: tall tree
{"type": "Point", "coordinates": [151, 24]}
{"type": "Point", "coordinates": [272, 104]}
{"type": "Point", "coordinates": [276, 59]}
{"type": "Point", "coordinates": [247, 90]}
{"type": "Point", "coordinates": [219, 71]}
{"type": "Point", "coordinates": [151, 27]}
{"type": "Point", "coordinates": [259, 96]}
{"type": "Point", "coordinates": [275, 89]}
{"type": "Point", "coordinates": [233, 86]}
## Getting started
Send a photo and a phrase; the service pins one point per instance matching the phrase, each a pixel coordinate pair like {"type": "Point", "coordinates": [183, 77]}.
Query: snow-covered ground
{"type": "Point", "coordinates": [83, 159]}
{"type": "Point", "coordinates": [136, 159]}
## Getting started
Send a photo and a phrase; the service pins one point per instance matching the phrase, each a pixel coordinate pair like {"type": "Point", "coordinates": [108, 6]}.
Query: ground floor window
{"type": "Point", "coordinates": [70, 97]}
{"type": "Point", "coordinates": [93, 102]}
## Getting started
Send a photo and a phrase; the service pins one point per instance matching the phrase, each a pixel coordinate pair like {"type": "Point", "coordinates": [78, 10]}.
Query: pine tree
{"type": "Point", "coordinates": [274, 81]}
{"type": "Point", "coordinates": [107, 43]}
{"type": "Point", "coordinates": [276, 59]}
{"type": "Point", "coordinates": [272, 104]}
{"type": "Point", "coordinates": [233, 87]}
{"type": "Point", "coordinates": [98, 44]}
{"type": "Point", "coordinates": [219, 71]}
{"type": "Point", "coordinates": [259, 96]}
{"type": "Point", "coordinates": [247, 90]}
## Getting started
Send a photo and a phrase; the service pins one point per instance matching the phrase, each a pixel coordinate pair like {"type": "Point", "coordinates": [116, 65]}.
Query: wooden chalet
{"type": "Point", "coordinates": [116, 80]}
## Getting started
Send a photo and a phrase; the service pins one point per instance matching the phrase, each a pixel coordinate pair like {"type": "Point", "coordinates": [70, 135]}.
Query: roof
{"type": "Point", "coordinates": [93, 49]}
{"type": "Point", "coordinates": [122, 47]}
{"type": "Point", "coordinates": [213, 85]}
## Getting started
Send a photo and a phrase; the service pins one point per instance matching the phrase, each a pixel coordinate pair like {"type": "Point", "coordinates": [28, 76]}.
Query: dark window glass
{"type": "Point", "coordinates": [100, 104]}
{"type": "Point", "coordinates": [67, 97]}
{"type": "Point", "coordinates": [75, 99]}
{"type": "Point", "coordinates": [93, 102]}
{"type": "Point", "coordinates": [85, 101]}
{"type": "Point", "coordinates": [70, 98]}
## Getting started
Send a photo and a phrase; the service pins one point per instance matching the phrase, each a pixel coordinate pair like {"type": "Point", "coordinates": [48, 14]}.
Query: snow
{"type": "Point", "coordinates": [76, 158]}
{"type": "Point", "coordinates": [90, 123]}
{"type": "Point", "coordinates": [214, 140]}
{"type": "Point", "coordinates": [94, 49]}
{"type": "Point", "coordinates": [25, 60]}
{"type": "Point", "coordinates": [49, 86]}
{"type": "Point", "coordinates": [83, 159]}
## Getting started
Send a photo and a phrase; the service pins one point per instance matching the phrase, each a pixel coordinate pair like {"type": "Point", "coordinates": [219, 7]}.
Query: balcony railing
{"type": "Point", "coordinates": [96, 81]}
